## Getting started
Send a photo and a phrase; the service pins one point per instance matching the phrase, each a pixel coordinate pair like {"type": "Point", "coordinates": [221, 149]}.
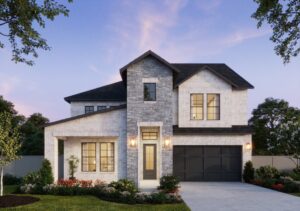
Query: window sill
{"type": "Point", "coordinates": [150, 102]}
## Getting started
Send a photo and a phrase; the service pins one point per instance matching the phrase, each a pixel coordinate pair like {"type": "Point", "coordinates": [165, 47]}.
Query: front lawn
{"type": "Point", "coordinates": [50, 202]}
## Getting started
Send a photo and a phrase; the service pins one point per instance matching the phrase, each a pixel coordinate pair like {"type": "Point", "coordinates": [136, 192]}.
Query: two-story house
{"type": "Point", "coordinates": [189, 120]}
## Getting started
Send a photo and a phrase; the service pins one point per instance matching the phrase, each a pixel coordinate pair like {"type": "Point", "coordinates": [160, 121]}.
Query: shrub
{"type": "Point", "coordinates": [278, 187]}
{"type": "Point", "coordinates": [46, 176]}
{"type": "Point", "coordinates": [269, 182]}
{"type": "Point", "coordinates": [9, 179]}
{"type": "Point", "coordinates": [248, 174]}
{"type": "Point", "coordinates": [124, 185]}
{"type": "Point", "coordinates": [295, 175]}
{"type": "Point", "coordinates": [267, 172]}
{"type": "Point", "coordinates": [291, 187]}
{"type": "Point", "coordinates": [31, 178]}
{"type": "Point", "coordinates": [169, 184]}
{"type": "Point", "coordinates": [73, 165]}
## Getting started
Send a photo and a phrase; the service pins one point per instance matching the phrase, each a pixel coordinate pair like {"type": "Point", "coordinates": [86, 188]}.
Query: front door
{"type": "Point", "coordinates": [149, 161]}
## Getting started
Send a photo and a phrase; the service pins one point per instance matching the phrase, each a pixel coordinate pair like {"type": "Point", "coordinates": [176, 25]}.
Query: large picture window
{"type": "Point", "coordinates": [107, 157]}
{"type": "Point", "coordinates": [197, 106]}
{"type": "Point", "coordinates": [149, 91]}
{"type": "Point", "coordinates": [88, 157]}
{"type": "Point", "coordinates": [213, 106]}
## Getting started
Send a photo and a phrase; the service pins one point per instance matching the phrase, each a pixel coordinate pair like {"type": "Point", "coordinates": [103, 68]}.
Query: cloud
{"type": "Point", "coordinates": [208, 6]}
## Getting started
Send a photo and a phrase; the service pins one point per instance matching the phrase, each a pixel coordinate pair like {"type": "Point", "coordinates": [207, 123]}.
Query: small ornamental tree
{"type": "Point", "coordinates": [248, 174]}
{"type": "Point", "coordinates": [9, 143]}
{"type": "Point", "coordinates": [73, 164]}
{"type": "Point", "coordinates": [46, 173]}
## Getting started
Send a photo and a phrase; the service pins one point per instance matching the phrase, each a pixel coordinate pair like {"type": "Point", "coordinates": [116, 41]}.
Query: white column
{"type": "Point", "coordinates": [51, 153]}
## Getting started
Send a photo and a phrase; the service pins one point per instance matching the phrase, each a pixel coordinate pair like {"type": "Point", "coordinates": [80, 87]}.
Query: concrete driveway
{"type": "Point", "coordinates": [206, 196]}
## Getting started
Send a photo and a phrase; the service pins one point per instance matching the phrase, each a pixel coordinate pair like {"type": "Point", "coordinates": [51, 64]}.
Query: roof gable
{"type": "Point", "coordinates": [221, 70]}
{"type": "Point", "coordinates": [146, 54]}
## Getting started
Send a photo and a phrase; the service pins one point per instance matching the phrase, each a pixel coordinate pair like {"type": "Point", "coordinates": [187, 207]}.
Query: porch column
{"type": "Point", "coordinates": [51, 153]}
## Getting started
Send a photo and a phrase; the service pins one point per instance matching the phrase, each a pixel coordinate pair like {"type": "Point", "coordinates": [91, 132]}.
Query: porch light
{"type": "Point", "coordinates": [167, 143]}
{"type": "Point", "coordinates": [132, 142]}
{"type": "Point", "coordinates": [248, 146]}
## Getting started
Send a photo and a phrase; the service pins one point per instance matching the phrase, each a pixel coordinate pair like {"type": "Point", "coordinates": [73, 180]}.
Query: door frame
{"type": "Point", "coordinates": [154, 162]}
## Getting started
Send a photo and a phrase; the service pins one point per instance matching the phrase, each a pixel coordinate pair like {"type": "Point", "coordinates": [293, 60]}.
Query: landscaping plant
{"type": "Point", "coordinates": [46, 176]}
{"type": "Point", "coordinates": [124, 185]}
{"type": "Point", "coordinates": [169, 184]}
{"type": "Point", "coordinates": [9, 143]}
{"type": "Point", "coordinates": [267, 172]}
{"type": "Point", "coordinates": [73, 165]}
{"type": "Point", "coordinates": [248, 174]}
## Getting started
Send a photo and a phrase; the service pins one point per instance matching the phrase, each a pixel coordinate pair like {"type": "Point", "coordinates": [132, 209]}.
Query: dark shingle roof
{"type": "Point", "coordinates": [86, 115]}
{"type": "Point", "coordinates": [111, 92]}
{"type": "Point", "coordinates": [222, 70]}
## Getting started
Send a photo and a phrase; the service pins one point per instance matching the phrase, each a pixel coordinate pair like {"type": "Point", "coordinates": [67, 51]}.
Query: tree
{"type": "Point", "coordinates": [276, 128]}
{"type": "Point", "coordinates": [284, 18]}
{"type": "Point", "coordinates": [45, 173]}
{"type": "Point", "coordinates": [17, 21]}
{"type": "Point", "coordinates": [32, 135]}
{"type": "Point", "coordinates": [9, 107]}
{"type": "Point", "coordinates": [9, 143]}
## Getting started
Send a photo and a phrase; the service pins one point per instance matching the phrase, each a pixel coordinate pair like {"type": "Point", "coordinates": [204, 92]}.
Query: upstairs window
{"type": "Point", "coordinates": [88, 109]}
{"type": "Point", "coordinates": [99, 108]}
{"type": "Point", "coordinates": [213, 106]}
{"type": "Point", "coordinates": [197, 106]}
{"type": "Point", "coordinates": [149, 91]}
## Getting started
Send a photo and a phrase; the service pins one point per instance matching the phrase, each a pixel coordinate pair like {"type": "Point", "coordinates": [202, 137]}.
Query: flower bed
{"type": "Point", "coordinates": [123, 191]}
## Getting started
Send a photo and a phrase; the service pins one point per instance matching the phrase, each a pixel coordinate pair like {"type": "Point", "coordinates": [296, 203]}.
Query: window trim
{"type": "Point", "coordinates": [113, 157]}
{"type": "Point", "coordinates": [144, 92]}
{"type": "Point", "coordinates": [85, 109]}
{"type": "Point", "coordinates": [213, 106]}
{"type": "Point", "coordinates": [191, 106]}
{"type": "Point", "coordinates": [82, 143]}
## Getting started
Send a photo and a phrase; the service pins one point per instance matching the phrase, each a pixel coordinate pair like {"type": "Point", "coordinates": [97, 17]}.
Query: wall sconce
{"type": "Point", "coordinates": [132, 142]}
{"type": "Point", "coordinates": [248, 146]}
{"type": "Point", "coordinates": [167, 143]}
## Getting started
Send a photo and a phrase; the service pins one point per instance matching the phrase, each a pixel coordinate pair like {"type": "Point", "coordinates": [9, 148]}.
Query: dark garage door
{"type": "Point", "coordinates": [207, 163]}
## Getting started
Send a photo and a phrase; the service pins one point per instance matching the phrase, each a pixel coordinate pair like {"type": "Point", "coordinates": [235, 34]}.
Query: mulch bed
{"type": "Point", "coordinates": [13, 200]}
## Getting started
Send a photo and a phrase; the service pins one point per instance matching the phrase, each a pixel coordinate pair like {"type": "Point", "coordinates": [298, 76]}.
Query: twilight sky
{"type": "Point", "coordinates": [99, 37]}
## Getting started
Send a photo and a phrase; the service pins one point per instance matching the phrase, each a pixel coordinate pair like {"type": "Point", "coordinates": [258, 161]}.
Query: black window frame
{"type": "Point", "coordinates": [193, 106]}
{"type": "Point", "coordinates": [107, 157]}
{"type": "Point", "coordinates": [102, 107]}
{"type": "Point", "coordinates": [82, 156]}
{"type": "Point", "coordinates": [150, 98]}
{"type": "Point", "coordinates": [219, 107]}
{"type": "Point", "coordinates": [88, 110]}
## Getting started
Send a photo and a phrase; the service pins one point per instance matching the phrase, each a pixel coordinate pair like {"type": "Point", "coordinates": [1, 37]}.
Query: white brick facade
{"type": "Point", "coordinates": [233, 102]}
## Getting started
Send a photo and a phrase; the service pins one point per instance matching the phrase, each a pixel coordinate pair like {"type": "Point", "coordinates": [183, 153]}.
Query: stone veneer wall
{"type": "Point", "coordinates": [140, 111]}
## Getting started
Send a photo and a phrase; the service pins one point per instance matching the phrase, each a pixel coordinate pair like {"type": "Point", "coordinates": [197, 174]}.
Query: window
{"type": "Point", "coordinates": [99, 108]}
{"type": "Point", "coordinates": [88, 109]}
{"type": "Point", "coordinates": [149, 133]}
{"type": "Point", "coordinates": [149, 91]}
{"type": "Point", "coordinates": [88, 157]}
{"type": "Point", "coordinates": [107, 156]}
{"type": "Point", "coordinates": [197, 106]}
{"type": "Point", "coordinates": [213, 106]}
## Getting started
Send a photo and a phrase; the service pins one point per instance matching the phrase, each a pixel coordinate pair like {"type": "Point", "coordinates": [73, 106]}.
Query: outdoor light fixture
{"type": "Point", "coordinates": [132, 142]}
{"type": "Point", "coordinates": [248, 146]}
{"type": "Point", "coordinates": [167, 143]}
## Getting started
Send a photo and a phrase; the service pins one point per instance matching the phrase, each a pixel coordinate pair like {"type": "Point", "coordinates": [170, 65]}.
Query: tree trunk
{"type": "Point", "coordinates": [1, 182]}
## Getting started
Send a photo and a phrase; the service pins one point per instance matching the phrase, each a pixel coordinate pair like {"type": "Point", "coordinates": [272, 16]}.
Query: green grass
{"type": "Point", "coordinates": [9, 189]}
{"type": "Point", "coordinates": [90, 203]}
{"type": "Point", "coordinates": [49, 202]}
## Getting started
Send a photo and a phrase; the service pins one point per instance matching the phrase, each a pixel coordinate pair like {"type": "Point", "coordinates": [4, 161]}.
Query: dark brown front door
{"type": "Point", "coordinates": [149, 161]}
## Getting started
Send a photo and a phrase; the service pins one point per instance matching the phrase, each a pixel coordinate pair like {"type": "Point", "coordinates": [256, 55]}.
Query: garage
{"type": "Point", "coordinates": [207, 163]}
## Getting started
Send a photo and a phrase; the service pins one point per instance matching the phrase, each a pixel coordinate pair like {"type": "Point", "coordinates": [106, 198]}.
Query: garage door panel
{"type": "Point", "coordinates": [207, 163]}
